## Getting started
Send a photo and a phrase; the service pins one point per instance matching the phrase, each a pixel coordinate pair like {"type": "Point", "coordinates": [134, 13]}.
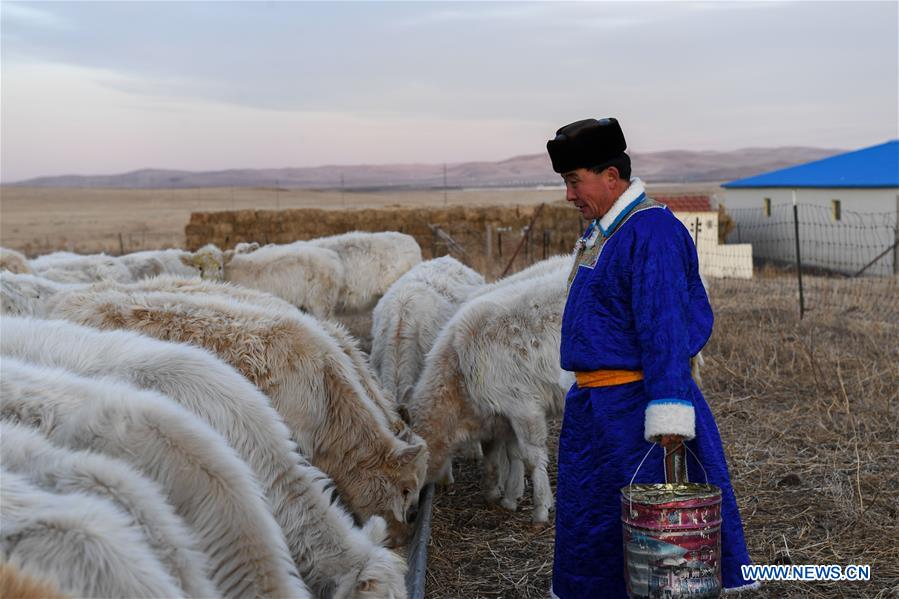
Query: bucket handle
{"type": "Point", "coordinates": [640, 465]}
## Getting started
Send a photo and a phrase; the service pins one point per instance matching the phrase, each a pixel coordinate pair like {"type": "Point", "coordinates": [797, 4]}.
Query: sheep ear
{"type": "Point", "coordinates": [376, 530]}
{"type": "Point", "coordinates": [187, 259]}
{"type": "Point", "coordinates": [407, 455]}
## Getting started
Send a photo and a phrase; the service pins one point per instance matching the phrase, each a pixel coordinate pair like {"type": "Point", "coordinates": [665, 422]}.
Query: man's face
{"type": "Point", "coordinates": [593, 194]}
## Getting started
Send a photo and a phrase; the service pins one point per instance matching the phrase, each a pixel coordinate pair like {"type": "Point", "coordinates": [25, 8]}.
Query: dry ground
{"type": "Point", "coordinates": [40, 220]}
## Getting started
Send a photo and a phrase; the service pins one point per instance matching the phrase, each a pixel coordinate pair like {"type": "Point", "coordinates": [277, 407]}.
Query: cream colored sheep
{"type": "Point", "coordinates": [13, 261]}
{"type": "Point", "coordinates": [311, 382]}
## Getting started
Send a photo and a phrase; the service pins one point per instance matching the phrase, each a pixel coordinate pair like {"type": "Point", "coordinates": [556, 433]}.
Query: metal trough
{"type": "Point", "coordinates": [418, 548]}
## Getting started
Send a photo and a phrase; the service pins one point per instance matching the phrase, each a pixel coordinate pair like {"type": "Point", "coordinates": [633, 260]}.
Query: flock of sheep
{"type": "Point", "coordinates": [179, 423]}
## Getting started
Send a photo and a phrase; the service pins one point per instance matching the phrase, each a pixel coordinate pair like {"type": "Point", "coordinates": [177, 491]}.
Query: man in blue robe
{"type": "Point", "coordinates": [637, 312]}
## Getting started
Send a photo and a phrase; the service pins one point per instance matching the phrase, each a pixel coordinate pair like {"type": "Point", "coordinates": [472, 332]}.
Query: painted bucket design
{"type": "Point", "coordinates": [672, 540]}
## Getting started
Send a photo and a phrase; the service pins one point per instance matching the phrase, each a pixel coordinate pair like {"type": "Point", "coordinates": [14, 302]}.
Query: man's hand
{"type": "Point", "coordinates": [675, 458]}
{"type": "Point", "coordinates": [670, 442]}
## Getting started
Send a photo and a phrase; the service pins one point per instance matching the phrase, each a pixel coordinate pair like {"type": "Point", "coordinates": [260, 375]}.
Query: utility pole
{"type": "Point", "coordinates": [342, 196]}
{"type": "Point", "coordinates": [444, 185]}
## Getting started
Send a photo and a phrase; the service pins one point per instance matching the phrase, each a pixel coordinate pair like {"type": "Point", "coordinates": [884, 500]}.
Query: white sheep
{"type": "Point", "coordinates": [244, 247]}
{"type": "Point", "coordinates": [347, 343]}
{"type": "Point", "coordinates": [372, 262]}
{"type": "Point", "coordinates": [25, 294]}
{"type": "Point", "coordinates": [81, 544]}
{"type": "Point", "coordinates": [207, 263]}
{"type": "Point", "coordinates": [407, 320]}
{"type": "Point", "coordinates": [47, 260]}
{"type": "Point", "coordinates": [58, 470]}
{"type": "Point", "coordinates": [81, 269]}
{"type": "Point", "coordinates": [553, 264]}
{"type": "Point", "coordinates": [309, 379]}
{"type": "Point", "coordinates": [13, 261]}
{"type": "Point", "coordinates": [309, 277]}
{"type": "Point", "coordinates": [496, 363]}
{"type": "Point", "coordinates": [209, 486]}
{"type": "Point", "coordinates": [330, 552]}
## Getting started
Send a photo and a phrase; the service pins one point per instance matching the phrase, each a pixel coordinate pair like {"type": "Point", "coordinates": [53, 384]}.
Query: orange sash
{"type": "Point", "coordinates": [607, 378]}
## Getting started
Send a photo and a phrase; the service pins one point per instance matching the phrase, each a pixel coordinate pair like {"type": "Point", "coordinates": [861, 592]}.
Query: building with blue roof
{"type": "Point", "coordinates": [847, 207]}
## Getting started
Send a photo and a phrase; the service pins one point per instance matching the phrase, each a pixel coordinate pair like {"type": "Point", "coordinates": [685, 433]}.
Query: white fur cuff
{"type": "Point", "coordinates": [669, 417]}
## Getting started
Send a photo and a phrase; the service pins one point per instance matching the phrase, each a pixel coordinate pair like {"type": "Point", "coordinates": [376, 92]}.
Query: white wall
{"type": "Point", "coordinates": [867, 226]}
{"type": "Point", "coordinates": [716, 261]}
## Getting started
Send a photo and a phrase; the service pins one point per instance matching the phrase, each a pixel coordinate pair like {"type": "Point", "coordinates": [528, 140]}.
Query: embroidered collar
{"type": "Point", "coordinates": [626, 202]}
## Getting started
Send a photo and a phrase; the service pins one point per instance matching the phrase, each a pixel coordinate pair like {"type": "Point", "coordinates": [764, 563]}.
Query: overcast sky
{"type": "Point", "coordinates": [97, 88]}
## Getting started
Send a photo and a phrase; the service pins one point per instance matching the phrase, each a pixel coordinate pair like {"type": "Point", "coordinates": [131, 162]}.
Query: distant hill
{"type": "Point", "coordinates": [675, 166]}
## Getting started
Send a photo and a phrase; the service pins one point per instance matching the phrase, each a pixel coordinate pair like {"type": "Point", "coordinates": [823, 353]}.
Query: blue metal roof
{"type": "Point", "coordinates": [877, 166]}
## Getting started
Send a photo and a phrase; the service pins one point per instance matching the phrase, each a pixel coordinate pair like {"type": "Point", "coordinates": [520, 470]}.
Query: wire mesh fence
{"type": "Point", "coordinates": [493, 250]}
{"type": "Point", "coordinates": [808, 258]}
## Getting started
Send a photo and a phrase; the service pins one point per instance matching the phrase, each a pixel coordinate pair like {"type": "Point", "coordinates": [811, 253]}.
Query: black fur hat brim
{"type": "Point", "coordinates": [585, 144]}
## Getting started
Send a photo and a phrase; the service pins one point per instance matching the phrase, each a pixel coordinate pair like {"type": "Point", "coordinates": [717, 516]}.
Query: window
{"type": "Point", "coordinates": [767, 202]}
{"type": "Point", "coordinates": [835, 209]}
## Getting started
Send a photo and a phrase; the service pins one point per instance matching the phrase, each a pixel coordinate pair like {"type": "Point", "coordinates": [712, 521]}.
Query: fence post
{"type": "Point", "coordinates": [798, 256]}
{"type": "Point", "coordinates": [488, 247]}
{"type": "Point", "coordinates": [529, 250]}
{"type": "Point", "coordinates": [521, 243]}
{"type": "Point", "coordinates": [896, 236]}
{"type": "Point", "coordinates": [121, 245]}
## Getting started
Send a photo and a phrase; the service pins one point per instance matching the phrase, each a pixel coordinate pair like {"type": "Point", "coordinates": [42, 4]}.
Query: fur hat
{"type": "Point", "coordinates": [585, 144]}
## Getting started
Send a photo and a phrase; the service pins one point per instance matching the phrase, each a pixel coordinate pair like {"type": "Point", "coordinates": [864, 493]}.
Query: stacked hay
{"type": "Point", "coordinates": [485, 236]}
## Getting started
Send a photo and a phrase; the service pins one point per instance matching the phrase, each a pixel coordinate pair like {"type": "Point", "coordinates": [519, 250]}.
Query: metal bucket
{"type": "Point", "coordinates": [672, 540]}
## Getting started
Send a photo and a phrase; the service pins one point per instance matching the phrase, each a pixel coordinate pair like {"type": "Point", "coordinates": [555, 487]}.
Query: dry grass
{"type": "Point", "coordinates": [809, 416]}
